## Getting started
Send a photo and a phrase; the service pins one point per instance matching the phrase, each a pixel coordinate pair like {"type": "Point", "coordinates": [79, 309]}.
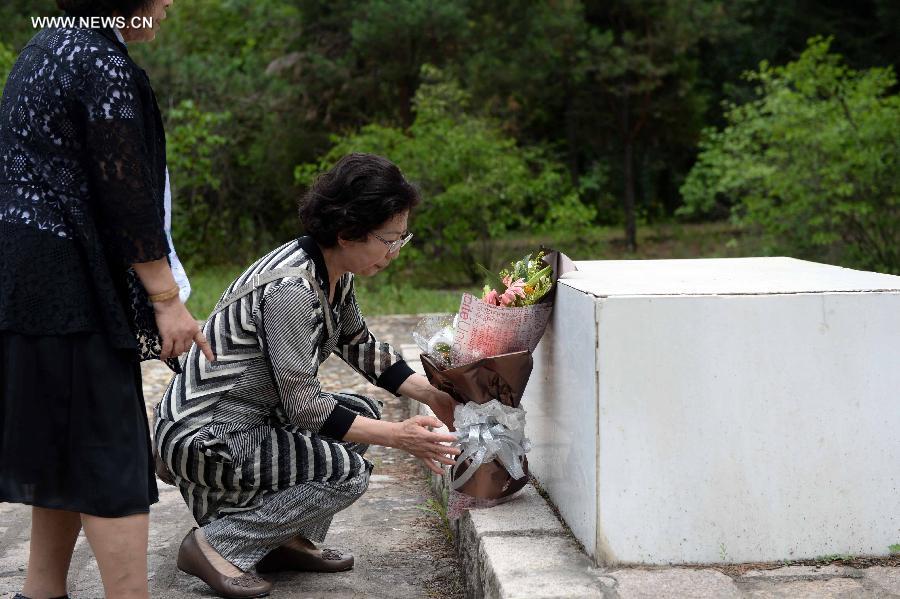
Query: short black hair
{"type": "Point", "coordinates": [360, 193]}
{"type": "Point", "coordinates": [103, 8]}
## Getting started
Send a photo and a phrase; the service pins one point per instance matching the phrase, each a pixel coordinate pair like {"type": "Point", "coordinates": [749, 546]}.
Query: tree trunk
{"type": "Point", "coordinates": [571, 137]}
{"type": "Point", "coordinates": [628, 174]}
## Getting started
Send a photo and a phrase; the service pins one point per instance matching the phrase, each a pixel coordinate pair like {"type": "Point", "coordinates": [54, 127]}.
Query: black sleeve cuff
{"type": "Point", "coordinates": [393, 377]}
{"type": "Point", "coordinates": [338, 422]}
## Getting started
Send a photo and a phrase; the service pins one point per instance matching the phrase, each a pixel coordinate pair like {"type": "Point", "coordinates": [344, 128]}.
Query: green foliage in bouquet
{"type": "Point", "coordinates": [494, 281]}
{"type": "Point", "coordinates": [523, 283]}
{"type": "Point", "coordinates": [813, 161]}
{"type": "Point", "coordinates": [535, 274]}
{"type": "Point", "coordinates": [444, 351]}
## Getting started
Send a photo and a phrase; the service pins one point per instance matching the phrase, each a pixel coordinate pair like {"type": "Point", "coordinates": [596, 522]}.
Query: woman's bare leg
{"type": "Point", "coordinates": [120, 546]}
{"type": "Point", "coordinates": [53, 535]}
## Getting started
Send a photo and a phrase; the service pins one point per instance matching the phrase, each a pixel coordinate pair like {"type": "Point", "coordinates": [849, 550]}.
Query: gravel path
{"type": "Point", "coordinates": [402, 550]}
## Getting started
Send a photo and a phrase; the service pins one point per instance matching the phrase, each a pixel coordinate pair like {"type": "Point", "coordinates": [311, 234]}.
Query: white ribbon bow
{"type": "Point", "coordinates": [487, 432]}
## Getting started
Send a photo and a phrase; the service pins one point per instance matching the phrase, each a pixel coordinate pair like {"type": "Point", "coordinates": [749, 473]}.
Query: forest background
{"type": "Point", "coordinates": [606, 129]}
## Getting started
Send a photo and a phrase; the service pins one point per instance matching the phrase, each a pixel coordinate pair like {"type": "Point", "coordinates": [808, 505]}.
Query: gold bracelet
{"type": "Point", "coordinates": [165, 295]}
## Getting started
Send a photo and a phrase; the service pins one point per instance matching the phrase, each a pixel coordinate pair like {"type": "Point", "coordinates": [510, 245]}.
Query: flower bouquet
{"type": "Point", "coordinates": [481, 356]}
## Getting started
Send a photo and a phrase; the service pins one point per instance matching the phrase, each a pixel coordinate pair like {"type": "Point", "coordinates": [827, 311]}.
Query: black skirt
{"type": "Point", "coordinates": [73, 426]}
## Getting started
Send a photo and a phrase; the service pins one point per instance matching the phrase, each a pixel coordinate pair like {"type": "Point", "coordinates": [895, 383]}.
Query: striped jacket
{"type": "Point", "coordinates": [256, 420]}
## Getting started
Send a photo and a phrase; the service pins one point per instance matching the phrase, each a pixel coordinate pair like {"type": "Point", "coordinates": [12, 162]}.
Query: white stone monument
{"type": "Point", "coordinates": [723, 410]}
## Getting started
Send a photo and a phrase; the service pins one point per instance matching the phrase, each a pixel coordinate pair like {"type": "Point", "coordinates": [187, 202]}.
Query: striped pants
{"type": "Point", "coordinates": [244, 535]}
{"type": "Point", "coordinates": [244, 538]}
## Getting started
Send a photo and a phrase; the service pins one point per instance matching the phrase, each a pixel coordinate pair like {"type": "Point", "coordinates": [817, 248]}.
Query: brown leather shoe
{"type": "Point", "coordinates": [311, 560]}
{"type": "Point", "coordinates": [192, 561]}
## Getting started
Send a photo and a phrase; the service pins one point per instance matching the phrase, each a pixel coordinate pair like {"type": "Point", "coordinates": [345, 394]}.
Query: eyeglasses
{"type": "Point", "coordinates": [394, 246]}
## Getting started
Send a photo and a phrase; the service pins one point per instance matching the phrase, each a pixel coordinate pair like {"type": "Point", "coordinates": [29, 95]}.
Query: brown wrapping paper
{"type": "Point", "coordinates": [501, 377]}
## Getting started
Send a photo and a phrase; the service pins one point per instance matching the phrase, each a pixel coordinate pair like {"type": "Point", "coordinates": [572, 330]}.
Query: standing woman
{"type": "Point", "coordinates": [82, 200]}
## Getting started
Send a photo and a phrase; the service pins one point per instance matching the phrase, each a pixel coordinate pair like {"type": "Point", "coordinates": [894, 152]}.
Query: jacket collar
{"type": "Point", "coordinates": [312, 249]}
{"type": "Point", "coordinates": [108, 33]}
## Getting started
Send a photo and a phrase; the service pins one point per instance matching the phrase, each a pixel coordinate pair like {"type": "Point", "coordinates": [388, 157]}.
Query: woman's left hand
{"type": "Point", "coordinates": [418, 388]}
{"type": "Point", "coordinates": [442, 404]}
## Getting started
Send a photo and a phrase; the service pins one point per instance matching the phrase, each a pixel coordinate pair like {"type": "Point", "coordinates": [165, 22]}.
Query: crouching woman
{"type": "Point", "coordinates": [263, 456]}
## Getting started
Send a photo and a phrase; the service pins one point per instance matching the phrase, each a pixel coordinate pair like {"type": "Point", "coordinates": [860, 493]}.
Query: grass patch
{"type": "Point", "coordinates": [438, 291]}
{"type": "Point", "coordinates": [378, 299]}
{"type": "Point", "coordinates": [207, 285]}
{"type": "Point", "coordinates": [375, 296]}
{"type": "Point", "coordinates": [438, 508]}
{"type": "Point", "coordinates": [834, 557]}
{"type": "Point", "coordinates": [658, 241]}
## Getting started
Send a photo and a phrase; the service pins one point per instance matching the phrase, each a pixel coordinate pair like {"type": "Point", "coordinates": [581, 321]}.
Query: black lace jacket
{"type": "Point", "coordinates": [82, 176]}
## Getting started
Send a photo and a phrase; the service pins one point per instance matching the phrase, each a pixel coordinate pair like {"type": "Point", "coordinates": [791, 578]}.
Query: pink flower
{"type": "Point", "coordinates": [514, 289]}
{"type": "Point", "coordinates": [490, 298]}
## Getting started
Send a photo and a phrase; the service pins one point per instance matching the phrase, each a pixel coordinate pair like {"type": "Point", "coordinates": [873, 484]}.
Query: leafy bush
{"type": "Point", "coordinates": [7, 58]}
{"type": "Point", "coordinates": [210, 67]}
{"type": "Point", "coordinates": [476, 182]}
{"type": "Point", "coordinates": [194, 149]}
{"type": "Point", "coordinates": [814, 160]}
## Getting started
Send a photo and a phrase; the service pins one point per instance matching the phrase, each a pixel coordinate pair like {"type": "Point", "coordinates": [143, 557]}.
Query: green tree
{"type": "Point", "coordinates": [522, 69]}
{"type": "Point", "coordinates": [613, 83]}
{"type": "Point", "coordinates": [196, 153]}
{"type": "Point", "coordinates": [814, 160]}
{"type": "Point", "coordinates": [643, 62]}
{"type": "Point", "coordinates": [217, 54]}
{"type": "Point", "coordinates": [477, 183]}
{"type": "Point", "coordinates": [6, 62]}
{"type": "Point", "coordinates": [394, 38]}
{"type": "Point", "coordinates": [618, 91]}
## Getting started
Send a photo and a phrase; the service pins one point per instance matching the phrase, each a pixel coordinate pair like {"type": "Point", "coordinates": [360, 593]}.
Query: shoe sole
{"type": "Point", "coordinates": [188, 572]}
{"type": "Point", "coordinates": [276, 570]}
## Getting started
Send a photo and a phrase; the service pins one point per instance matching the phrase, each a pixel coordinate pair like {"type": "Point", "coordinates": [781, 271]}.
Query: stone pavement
{"type": "Point", "coordinates": [402, 549]}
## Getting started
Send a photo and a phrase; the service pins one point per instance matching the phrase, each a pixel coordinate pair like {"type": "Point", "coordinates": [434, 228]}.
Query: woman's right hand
{"type": "Point", "coordinates": [179, 330]}
{"type": "Point", "coordinates": [413, 437]}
